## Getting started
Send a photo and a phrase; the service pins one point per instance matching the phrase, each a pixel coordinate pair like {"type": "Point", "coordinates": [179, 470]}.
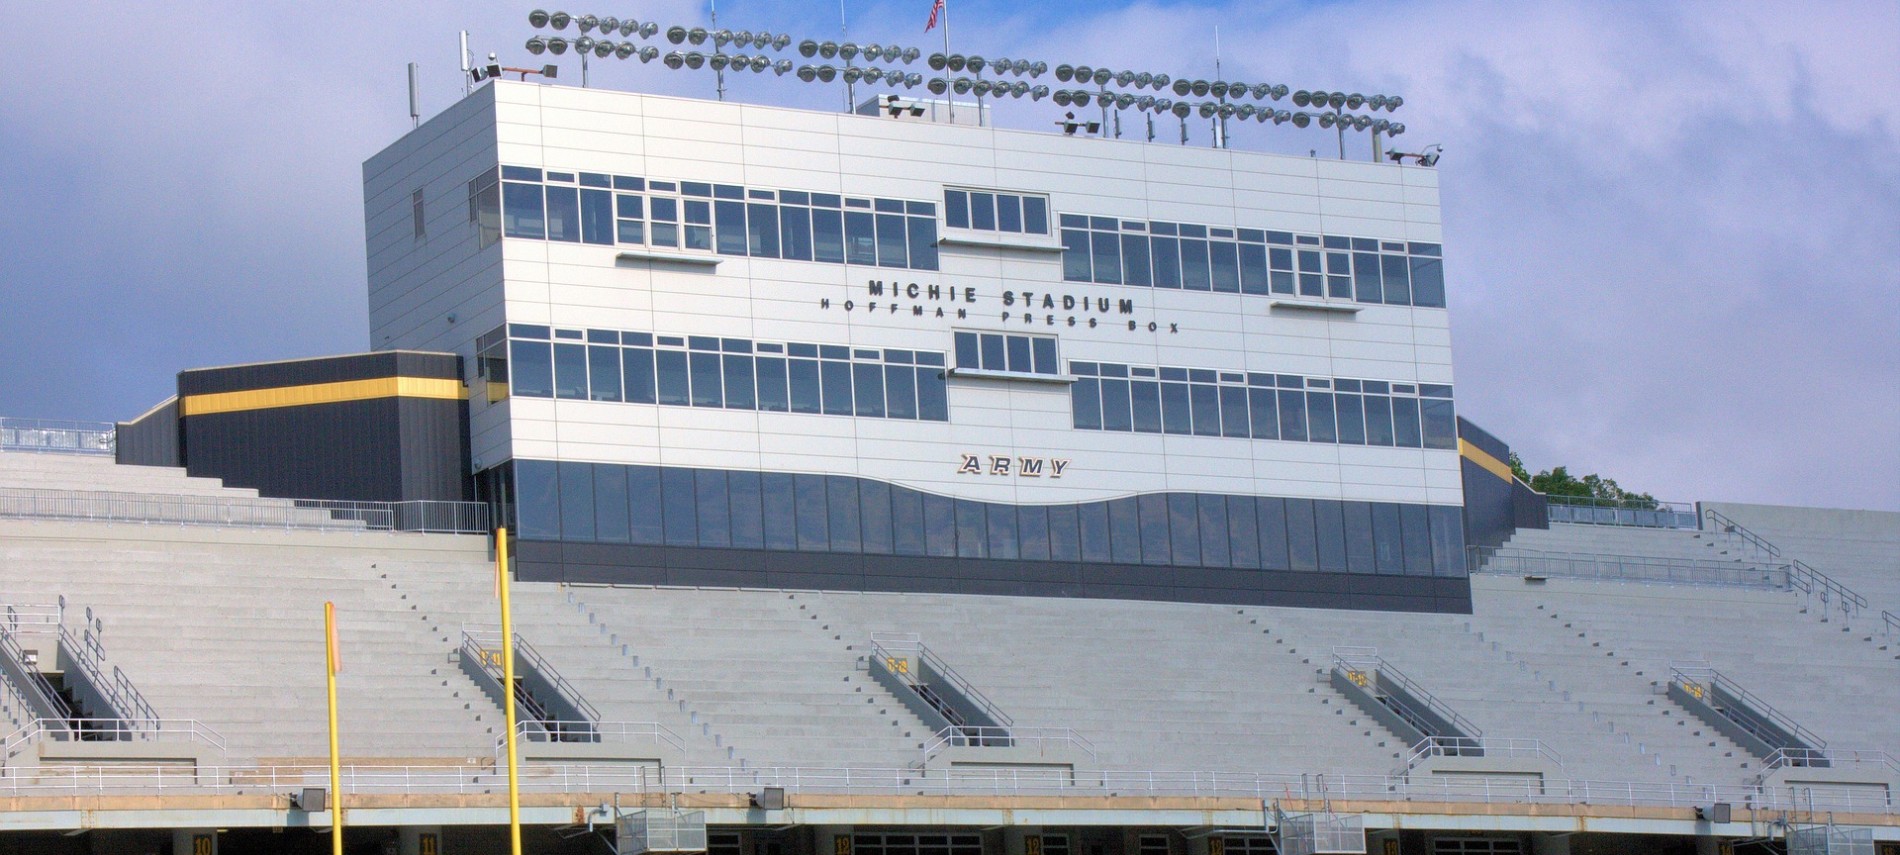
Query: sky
{"type": "Point", "coordinates": [1672, 230]}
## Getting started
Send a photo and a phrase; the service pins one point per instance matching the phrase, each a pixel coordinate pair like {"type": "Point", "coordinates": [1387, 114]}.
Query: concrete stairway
{"type": "Point", "coordinates": [88, 472]}
{"type": "Point", "coordinates": [1659, 543]}
{"type": "Point", "coordinates": [1860, 549]}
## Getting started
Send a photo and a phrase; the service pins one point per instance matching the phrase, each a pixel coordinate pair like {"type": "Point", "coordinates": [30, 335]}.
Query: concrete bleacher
{"type": "Point", "coordinates": [91, 472]}
{"type": "Point", "coordinates": [759, 678]}
{"type": "Point", "coordinates": [1860, 549]}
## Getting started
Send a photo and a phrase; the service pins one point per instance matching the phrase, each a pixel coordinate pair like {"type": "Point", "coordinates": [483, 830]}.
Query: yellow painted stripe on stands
{"type": "Point", "coordinates": [1484, 459]}
{"type": "Point", "coordinates": [322, 393]}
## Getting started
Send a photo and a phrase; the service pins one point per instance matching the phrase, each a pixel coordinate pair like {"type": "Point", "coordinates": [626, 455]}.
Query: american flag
{"type": "Point", "coordinates": [935, 10]}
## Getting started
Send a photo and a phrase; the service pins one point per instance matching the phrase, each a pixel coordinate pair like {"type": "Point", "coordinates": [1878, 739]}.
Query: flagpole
{"type": "Point", "coordinates": [949, 92]}
{"type": "Point", "coordinates": [330, 667]}
{"type": "Point", "coordinates": [508, 689]}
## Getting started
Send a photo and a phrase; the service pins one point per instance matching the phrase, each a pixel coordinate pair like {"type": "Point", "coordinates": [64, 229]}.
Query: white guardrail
{"type": "Point", "coordinates": [620, 778]}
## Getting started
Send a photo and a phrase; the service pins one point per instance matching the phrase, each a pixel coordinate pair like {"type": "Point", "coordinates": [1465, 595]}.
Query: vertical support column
{"type": "Point", "coordinates": [1550, 844]}
{"type": "Point", "coordinates": [420, 840]}
{"type": "Point", "coordinates": [195, 841]}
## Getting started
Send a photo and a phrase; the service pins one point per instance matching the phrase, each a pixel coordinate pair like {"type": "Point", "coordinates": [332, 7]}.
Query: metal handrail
{"type": "Point", "coordinates": [1585, 510]}
{"type": "Point", "coordinates": [1804, 578]}
{"type": "Point", "coordinates": [1890, 621]}
{"type": "Point", "coordinates": [115, 730]}
{"type": "Point", "coordinates": [888, 647]}
{"type": "Point", "coordinates": [488, 642]}
{"type": "Point", "coordinates": [10, 648]}
{"type": "Point", "coordinates": [594, 779]}
{"type": "Point", "coordinates": [1699, 680]}
{"type": "Point", "coordinates": [1637, 568]}
{"type": "Point", "coordinates": [1830, 757]}
{"type": "Point", "coordinates": [1351, 659]}
{"type": "Point", "coordinates": [242, 512]}
{"type": "Point", "coordinates": [124, 698]}
{"type": "Point", "coordinates": [968, 736]}
{"type": "Point", "coordinates": [57, 436]}
{"type": "Point", "coordinates": [1487, 746]}
{"type": "Point", "coordinates": [596, 732]}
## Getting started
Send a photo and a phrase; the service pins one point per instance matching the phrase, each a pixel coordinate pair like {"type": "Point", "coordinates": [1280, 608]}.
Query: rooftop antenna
{"type": "Point", "coordinates": [468, 83]}
{"type": "Point", "coordinates": [1220, 121]}
{"type": "Point", "coordinates": [415, 106]}
{"type": "Point", "coordinates": [844, 36]}
{"type": "Point", "coordinates": [719, 74]}
{"type": "Point", "coordinates": [941, 11]}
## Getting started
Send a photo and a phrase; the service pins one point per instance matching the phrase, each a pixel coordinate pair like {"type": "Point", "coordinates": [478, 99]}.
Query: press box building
{"type": "Point", "coordinates": [730, 344]}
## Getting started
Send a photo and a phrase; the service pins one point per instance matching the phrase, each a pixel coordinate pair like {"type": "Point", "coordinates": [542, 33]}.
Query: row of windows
{"type": "Point", "coordinates": [989, 211]}
{"type": "Point", "coordinates": [731, 373]}
{"type": "Point", "coordinates": [1010, 352]}
{"type": "Point", "coordinates": [1205, 402]}
{"type": "Point", "coordinates": [590, 207]}
{"type": "Point", "coordinates": [608, 503]}
{"type": "Point", "coordinates": [1250, 261]}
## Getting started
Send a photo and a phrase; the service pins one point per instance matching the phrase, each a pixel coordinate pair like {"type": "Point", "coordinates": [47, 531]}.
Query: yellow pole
{"type": "Point", "coordinates": [330, 666]}
{"type": "Point", "coordinates": [508, 689]}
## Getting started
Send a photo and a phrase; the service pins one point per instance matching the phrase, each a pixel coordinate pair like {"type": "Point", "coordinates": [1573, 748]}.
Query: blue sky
{"type": "Point", "coordinates": [1671, 229]}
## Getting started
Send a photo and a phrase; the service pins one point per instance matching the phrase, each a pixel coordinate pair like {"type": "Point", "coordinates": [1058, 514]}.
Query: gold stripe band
{"type": "Point", "coordinates": [322, 393]}
{"type": "Point", "coordinates": [1484, 459]}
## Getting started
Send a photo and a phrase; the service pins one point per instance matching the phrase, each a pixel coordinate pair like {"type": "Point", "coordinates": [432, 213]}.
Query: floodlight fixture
{"type": "Point", "coordinates": [624, 50]}
{"type": "Point", "coordinates": [1019, 88]}
{"type": "Point", "coordinates": [1336, 100]}
{"type": "Point", "coordinates": [1200, 88]}
{"type": "Point", "coordinates": [955, 62]}
{"type": "Point", "coordinates": [628, 27]}
{"type": "Point", "coordinates": [1062, 98]}
{"type": "Point", "coordinates": [974, 62]}
{"type": "Point", "coordinates": [1038, 92]}
{"type": "Point", "coordinates": [537, 45]}
{"type": "Point", "coordinates": [1301, 119]}
{"type": "Point", "coordinates": [1124, 100]}
{"type": "Point", "coordinates": [1244, 111]}
{"type": "Point", "coordinates": [696, 35]}
{"type": "Point", "coordinates": [1145, 102]}
{"type": "Point", "coordinates": [1236, 89]}
{"type": "Point", "coordinates": [1280, 117]}
{"type": "Point", "coordinates": [1038, 68]}
{"type": "Point", "coordinates": [648, 29]}
{"type": "Point", "coordinates": [1163, 105]}
{"type": "Point", "coordinates": [1360, 123]}
{"type": "Point", "coordinates": [1355, 101]}
{"type": "Point", "coordinates": [1182, 109]}
{"type": "Point", "coordinates": [961, 85]}
{"type": "Point", "coordinates": [828, 49]}
{"type": "Point", "coordinates": [1206, 109]}
{"type": "Point", "coordinates": [1102, 76]}
{"type": "Point", "coordinates": [1084, 74]}
{"type": "Point", "coordinates": [937, 86]}
{"type": "Point", "coordinates": [806, 73]}
{"type": "Point", "coordinates": [1392, 103]}
{"type": "Point", "coordinates": [938, 62]}
{"type": "Point", "coordinates": [1379, 126]}
{"type": "Point", "coordinates": [1020, 67]}
{"type": "Point", "coordinates": [912, 79]}
{"type": "Point", "coordinates": [538, 18]}
{"type": "Point", "coordinates": [1183, 87]}
{"type": "Point", "coordinates": [1218, 89]}
{"type": "Point", "coordinates": [718, 61]}
{"type": "Point", "coordinates": [1065, 72]}
{"type": "Point", "coordinates": [808, 48]}
{"type": "Point", "coordinates": [848, 50]}
{"type": "Point", "coordinates": [761, 62]}
{"type": "Point", "coordinates": [559, 20]}
{"type": "Point", "coordinates": [871, 51]}
{"type": "Point", "coordinates": [695, 59]}
{"type": "Point", "coordinates": [608, 25]}
{"type": "Point", "coordinates": [676, 34]}
{"type": "Point", "coordinates": [1143, 80]}
{"type": "Point", "coordinates": [648, 53]}
{"type": "Point", "coordinates": [1259, 91]}
{"type": "Point", "coordinates": [557, 45]}
{"type": "Point", "coordinates": [1124, 77]}
{"type": "Point", "coordinates": [910, 55]}
{"type": "Point", "coordinates": [743, 37]}
{"type": "Point", "coordinates": [721, 38]}
{"type": "Point", "coordinates": [1302, 98]}
{"type": "Point", "coordinates": [1396, 129]}
{"type": "Point", "coordinates": [981, 87]}
{"type": "Point", "coordinates": [1000, 65]}
{"type": "Point", "coordinates": [827, 73]}
{"type": "Point", "coordinates": [584, 44]}
{"type": "Point", "coordinates": [780, 41]}
{"type": "Point", "coordinates": [674, 59]}
{"type": "Point", "coordinates": [586, 23]}
{"type": "Point", "coordinates": [852, 74]}
{"type": "Point", "coordinates": [1161, 81]}
{"type": "Point", "coordinates": [606, 47]}
{"type": "Point", "coordinates": [1327, 120]}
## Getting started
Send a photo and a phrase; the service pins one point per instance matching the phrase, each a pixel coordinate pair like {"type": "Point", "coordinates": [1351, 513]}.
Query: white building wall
{"type": "Point", "coordinates": [584, 286]}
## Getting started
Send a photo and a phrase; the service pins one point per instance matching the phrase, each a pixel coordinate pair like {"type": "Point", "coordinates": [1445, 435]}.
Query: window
{"type": "Point", "coordinates": [484, 206]}
{"type": "Point", "coordinates": [417, 220]}
{"type": "Point", "coordinates": [624, 210]}
{"type": "Point", "coordinates": [991, 211]}
{"type": "Point", "coordinates": [1008, 353]}
{"type": "Point", "coordinates": [1236, 405]}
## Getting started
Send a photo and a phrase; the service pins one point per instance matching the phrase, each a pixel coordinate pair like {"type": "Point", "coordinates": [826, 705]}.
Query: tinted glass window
{"type": "Point", "coordinates": [714, 507]}
{"type": "Point", "coordinates": [680, 496]}
{"type": "Point", "coordinates": [645, 505]}
{"type": "Point", "coordinates": [748, 524]}
{"type": "Point", "coordinates": [531, 369]}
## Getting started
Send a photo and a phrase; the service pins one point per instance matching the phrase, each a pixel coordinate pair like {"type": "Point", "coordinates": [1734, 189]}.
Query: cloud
{"type": "Point", "coordinates": [1669, 227]}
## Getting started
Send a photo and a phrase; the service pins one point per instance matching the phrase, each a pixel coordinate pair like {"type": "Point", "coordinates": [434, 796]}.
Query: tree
{"type": "Point", "coordinates": [1560, 486]}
